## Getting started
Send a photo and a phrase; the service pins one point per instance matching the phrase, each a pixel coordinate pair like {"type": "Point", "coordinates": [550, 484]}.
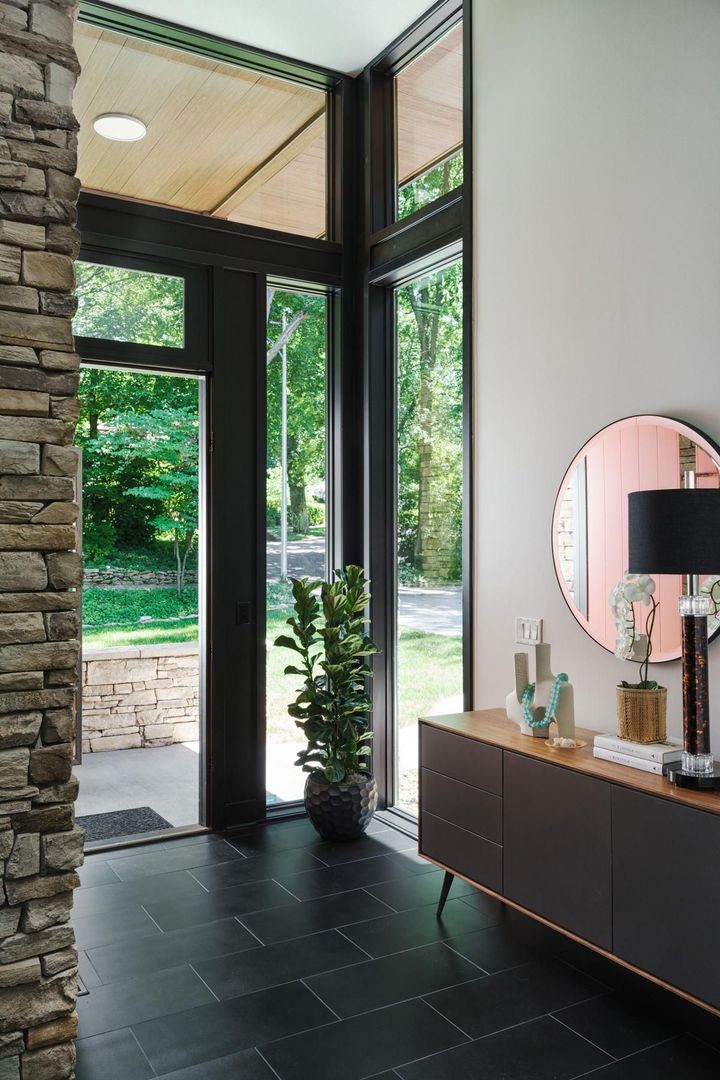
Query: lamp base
{"type": "Point", "coordinates": [709, 781]}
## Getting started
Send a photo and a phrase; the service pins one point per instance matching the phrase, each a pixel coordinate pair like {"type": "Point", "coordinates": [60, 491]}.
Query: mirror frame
{"type": "Point", "coordinates": [699, 436]}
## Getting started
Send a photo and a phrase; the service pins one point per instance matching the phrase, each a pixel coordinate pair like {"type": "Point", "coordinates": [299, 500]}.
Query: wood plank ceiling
{"type": "Point", "coordinates": [220, 140]}
{"type": "Point", "coordinates": [234, 144]}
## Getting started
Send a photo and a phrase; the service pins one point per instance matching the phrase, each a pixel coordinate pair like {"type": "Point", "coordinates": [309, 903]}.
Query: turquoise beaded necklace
{"type": "Point", "coordinates": [527, 703]}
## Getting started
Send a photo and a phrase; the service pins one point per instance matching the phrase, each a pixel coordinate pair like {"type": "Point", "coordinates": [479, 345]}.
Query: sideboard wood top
{"type": "Point", "coordinates": [492, 726]}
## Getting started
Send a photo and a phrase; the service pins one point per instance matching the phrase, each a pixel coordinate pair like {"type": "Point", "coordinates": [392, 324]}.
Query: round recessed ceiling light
{"type": "Point", "coordinates": [120, 127]}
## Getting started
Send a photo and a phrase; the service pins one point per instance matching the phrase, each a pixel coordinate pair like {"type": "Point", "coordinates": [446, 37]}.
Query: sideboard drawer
{"type": "Point", "coordinates": [463, 805]}
{"type": "Point", "coordinates": [465, 852]}
{"type": "Point", "coordinates": [463, 759]}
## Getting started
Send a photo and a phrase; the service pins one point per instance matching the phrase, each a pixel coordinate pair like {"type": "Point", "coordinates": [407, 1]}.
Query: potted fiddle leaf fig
{"type": "Point", "coordinates": [333, 707]}
{"type": "Point", "coordinates": [641, 706]}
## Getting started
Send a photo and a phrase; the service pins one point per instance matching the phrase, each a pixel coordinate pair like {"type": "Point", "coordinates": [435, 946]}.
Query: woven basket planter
{"type": "Point", "coordinates": [642, 714]}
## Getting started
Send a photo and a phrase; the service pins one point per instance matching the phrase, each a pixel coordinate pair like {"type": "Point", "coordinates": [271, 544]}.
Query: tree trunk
{"type": "Point", "coordinates": [176, 552]}
{"type": "Point", "coordinates": [187, 548]}
{"type": "Point", "coordinates": [298, 508]}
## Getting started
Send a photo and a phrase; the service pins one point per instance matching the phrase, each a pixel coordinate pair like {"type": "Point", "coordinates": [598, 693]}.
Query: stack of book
{"type": "Point", "coordinates": [650, 757]}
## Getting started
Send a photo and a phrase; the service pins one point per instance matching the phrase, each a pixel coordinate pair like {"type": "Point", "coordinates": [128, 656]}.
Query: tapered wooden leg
{"type": "Point", "coordinates": [447, 882]}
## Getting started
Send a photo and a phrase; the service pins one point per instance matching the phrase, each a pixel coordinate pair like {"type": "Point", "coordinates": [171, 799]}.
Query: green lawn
{"type": "Point", "coordinates": [112, 617]}
{"type": "Point", "coordinates": [430, 665]}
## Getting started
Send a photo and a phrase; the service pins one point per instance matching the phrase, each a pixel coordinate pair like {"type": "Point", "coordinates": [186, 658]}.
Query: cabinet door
{"type": "Point", "coordinates": [557, 846]}
{"type": "Point", "coordinates": [666, 891]}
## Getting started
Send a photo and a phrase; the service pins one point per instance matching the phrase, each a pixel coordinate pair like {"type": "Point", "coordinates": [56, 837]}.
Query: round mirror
{"type": "Point", "coordinates": [590, 542]}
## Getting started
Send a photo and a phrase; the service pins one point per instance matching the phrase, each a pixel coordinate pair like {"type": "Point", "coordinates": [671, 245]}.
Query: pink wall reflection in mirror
{"type": "Point", "coordinates": [590, 519]}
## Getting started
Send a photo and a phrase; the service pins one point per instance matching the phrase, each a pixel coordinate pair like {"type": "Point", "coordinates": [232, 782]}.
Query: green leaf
{"type": "Point", "coordinates": [285, 642]}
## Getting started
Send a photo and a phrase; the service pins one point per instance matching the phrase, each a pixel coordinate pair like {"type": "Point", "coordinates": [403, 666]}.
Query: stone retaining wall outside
{"type": "Point", "coordinates": [118, 578]}
{"type": "Point", "coordinates": [145, 696]}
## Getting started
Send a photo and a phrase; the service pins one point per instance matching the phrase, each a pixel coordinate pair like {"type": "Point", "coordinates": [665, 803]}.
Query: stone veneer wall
{"type": "Point", "coordinates": [40, 847]}
{"type": "Point", "coordinates": [144, 696]}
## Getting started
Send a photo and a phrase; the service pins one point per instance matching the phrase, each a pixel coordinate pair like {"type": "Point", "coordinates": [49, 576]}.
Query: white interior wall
{"type": "Point", "coordinates": [597, 180]}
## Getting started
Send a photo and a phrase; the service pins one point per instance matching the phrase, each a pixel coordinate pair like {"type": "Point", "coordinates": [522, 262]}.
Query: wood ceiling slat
{"type": "Point", "coordinates": [293, 199]}
{"type": "Point", "coordinates": [295, 146]}
{"type": "Point", "coordinates": [245, 137]}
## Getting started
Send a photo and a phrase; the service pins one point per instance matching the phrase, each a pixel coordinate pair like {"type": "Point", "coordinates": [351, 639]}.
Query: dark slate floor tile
{"type": "Point", "coordinates": [419, 926]}
{"type": "Point", "coordinates": [539, 1050]}
{"type": "Point", "coordinates": [323, 914]}
{"type": "Point", "coordinates": [96, 872]}
{"type": "Point", "coordinates": [256, 868]}
{"type": "Point", "coordinates": [480, 901]}
{"type": "Point", "coordinates": [271, 965]}
{"type": "Point", "coordinates": [149, 863]}
{"type": "Point", "coordinates": [377, 826]}
{"type": "Point", "coordinates": [514, 996]}
{"type": "Point", "coordinates": [246, 1065]}
{"type": "Point", "coordinates": [364, 848]}
{"type": "Point", "coordinates": [597, 967]}
{"type": "Point", "coordinates": [281, 836]}
{"type": "Point", "coordinates": [88, 974]}
{"type": "Point", "coordinates": [113, 962]}
{"type": "Point", "coordinates": [355, 875]}
{"type": "Point", "coordinates": [376, 983]}
{"type": "Point", "coordinates": [212, 1031]}
{"type": "Point", "coordinates": [327, 880]}
{"type": "Point", "coordinates": [112, 1056]}
{"type": "Point", "coordinates": [223, 904]}
{"type": "Point", "coordinates": [176, 841]}
{"type": "Point", "coordinates": [419, 891]}
{"type": "Point", "coordinates": [353, 1049]}
{"type": "Point", "coordinates": [130, 1001]}
{"type": "Point", "coordinates": [679, 1059]}
{"type": "Point", "coordinates": [494, 949]}
{"type": "Point", "coordinates": [147, 890]}
{"type": "Point", "coordinates": [617, 1025]}
{"type": "Point", "coordinates": [109, 927]}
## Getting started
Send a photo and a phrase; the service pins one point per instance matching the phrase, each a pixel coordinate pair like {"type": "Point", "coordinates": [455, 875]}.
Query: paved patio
{"type": "Point", "coordinates": [165, 778]}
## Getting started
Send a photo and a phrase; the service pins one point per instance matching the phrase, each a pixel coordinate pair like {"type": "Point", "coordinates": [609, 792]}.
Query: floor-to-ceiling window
{"type": "Point", "coordinates": [296, 503]}
{"type": "Point", "coordinates": [419, 382]}
{"type": "Point", "coordinates": [429, 511]}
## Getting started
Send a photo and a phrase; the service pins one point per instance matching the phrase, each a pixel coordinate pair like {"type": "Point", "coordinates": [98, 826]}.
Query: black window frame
{"type": "Point", "coordinates": [397, 251]}
{"type": "Point", "coordinates": [193, 356]}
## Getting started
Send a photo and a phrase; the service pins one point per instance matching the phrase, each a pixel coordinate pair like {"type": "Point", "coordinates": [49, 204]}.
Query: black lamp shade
{"type": "Point", "coordinates": [674, 531]}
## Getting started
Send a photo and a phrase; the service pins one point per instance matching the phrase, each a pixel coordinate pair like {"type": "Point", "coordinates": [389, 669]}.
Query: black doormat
{"type": "Point", "coordinates": [122, 823]}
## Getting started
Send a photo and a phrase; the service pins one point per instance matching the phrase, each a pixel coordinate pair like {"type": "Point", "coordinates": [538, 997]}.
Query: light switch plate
{"type": "Point", "coordinates": [528, 631]}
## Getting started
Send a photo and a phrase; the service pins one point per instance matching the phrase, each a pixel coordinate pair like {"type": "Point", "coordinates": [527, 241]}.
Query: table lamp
{"type": "Point", "coordinates": [677, 531]}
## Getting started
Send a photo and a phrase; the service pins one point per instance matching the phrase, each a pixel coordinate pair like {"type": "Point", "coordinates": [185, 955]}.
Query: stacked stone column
{"type": "Point", "coordinates": [40, 846]}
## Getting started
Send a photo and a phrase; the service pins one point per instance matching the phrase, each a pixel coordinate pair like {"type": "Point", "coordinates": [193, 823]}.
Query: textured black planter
{"type": "Point", "coordinates": [341, 811]}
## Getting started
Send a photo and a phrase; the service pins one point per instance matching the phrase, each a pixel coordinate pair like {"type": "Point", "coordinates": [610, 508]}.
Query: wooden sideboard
{"type": "Point", "coordinates": [616, 858]}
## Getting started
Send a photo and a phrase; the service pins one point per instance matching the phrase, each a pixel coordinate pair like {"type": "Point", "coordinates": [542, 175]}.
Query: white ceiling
{"type": "Point", "coordinates": [339, 34]}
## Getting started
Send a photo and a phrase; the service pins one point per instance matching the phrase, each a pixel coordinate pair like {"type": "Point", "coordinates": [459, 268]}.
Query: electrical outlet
{"type": "Point", "coordinates": [528, 631]}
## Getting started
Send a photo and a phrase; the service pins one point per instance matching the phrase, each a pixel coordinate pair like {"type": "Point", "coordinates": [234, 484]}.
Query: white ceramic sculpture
{"type": "Point", "coordinates": [544, 681]}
